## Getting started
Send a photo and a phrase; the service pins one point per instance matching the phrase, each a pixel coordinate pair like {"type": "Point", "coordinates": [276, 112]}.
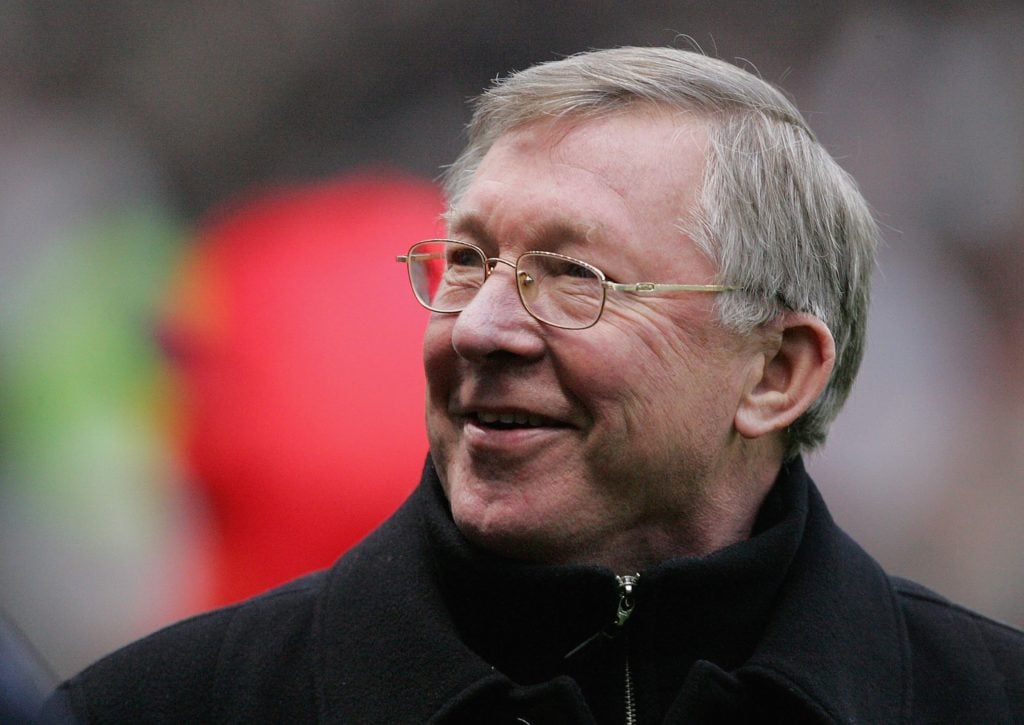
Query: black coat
{"type": "Point", "coordinates": [798, 624]}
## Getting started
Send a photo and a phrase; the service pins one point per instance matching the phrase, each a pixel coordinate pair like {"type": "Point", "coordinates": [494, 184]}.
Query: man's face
{"type": "Point", "coordinates": [582, 445]}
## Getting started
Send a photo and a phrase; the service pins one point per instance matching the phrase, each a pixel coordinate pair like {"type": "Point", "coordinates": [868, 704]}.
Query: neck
{"type": "Point", "coordinates": [720, 512]}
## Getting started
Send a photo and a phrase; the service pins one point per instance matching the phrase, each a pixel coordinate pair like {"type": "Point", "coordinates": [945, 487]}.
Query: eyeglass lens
{"type": "Point", "coordinates": [446, 275]}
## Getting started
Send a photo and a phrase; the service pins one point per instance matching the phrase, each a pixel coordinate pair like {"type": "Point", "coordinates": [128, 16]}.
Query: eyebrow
{"type": "Point", "coordinates": [553, 233]}
{"type": "Point", "coordinates": [467, 223]}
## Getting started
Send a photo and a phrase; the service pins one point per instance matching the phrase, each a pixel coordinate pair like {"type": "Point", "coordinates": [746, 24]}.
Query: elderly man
{"type": "Point", "coordinates": [652, 299]}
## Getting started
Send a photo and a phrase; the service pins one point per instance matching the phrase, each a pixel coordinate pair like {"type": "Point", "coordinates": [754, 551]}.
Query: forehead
{"type": "Point", "coordinates": [633, 174]}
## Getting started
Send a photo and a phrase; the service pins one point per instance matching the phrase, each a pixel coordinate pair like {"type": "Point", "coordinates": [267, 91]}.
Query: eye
{"type": "Point", "coordinates": [555, 267]}
{"type": "Point", "coordinates": [463, 257]}
{"type": "Point", "coordinates": [577, 270]}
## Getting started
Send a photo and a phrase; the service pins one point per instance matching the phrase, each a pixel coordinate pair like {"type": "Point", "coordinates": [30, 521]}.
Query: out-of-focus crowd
{"type": "Point", "coordinates": [206, 351]}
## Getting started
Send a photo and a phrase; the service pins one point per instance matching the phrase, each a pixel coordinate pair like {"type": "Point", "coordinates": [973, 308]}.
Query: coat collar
{"type": "Point", "coordinates": [836, 638]}
{"type": "Point", "coordinates": [390, 651]}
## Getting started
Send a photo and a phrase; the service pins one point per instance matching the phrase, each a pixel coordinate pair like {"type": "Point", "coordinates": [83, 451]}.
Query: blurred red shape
{"type": "Point", "coordinates": [296, 347]}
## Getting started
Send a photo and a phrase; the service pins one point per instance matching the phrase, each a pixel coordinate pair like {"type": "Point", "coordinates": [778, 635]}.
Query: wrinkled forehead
{"type": "Point", "coordinates": [640, 155]}
{"type": "Point", "coordinates": [628, 179]}
{"type": "Point", "coordinates": [561, 122]}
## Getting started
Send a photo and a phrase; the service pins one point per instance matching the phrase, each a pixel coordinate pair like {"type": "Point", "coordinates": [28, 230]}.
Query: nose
{"type": "Point", "coordinates": [495, 322]}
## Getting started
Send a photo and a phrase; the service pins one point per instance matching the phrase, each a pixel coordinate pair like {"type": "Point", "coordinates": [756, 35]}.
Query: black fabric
{"type": "Point", "coordinates": [686, 609]}
{"type": "Point", "coordinates": [797, 624]}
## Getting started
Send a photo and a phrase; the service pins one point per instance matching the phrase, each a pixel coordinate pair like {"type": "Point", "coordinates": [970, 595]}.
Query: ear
{"type": "Point", "coordinates": [791, 375]}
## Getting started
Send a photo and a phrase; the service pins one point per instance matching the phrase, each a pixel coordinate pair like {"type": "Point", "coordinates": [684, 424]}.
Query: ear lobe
{"type": "Point", "coordinates": [791, 378]}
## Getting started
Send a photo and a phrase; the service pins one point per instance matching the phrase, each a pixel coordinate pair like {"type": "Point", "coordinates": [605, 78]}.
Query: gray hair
{"type": "Point", "coordinates": [777, 215]}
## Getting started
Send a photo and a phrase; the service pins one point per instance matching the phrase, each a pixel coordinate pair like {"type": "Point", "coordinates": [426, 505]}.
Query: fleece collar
{"type": "Point", "coordinates": [835, 639]}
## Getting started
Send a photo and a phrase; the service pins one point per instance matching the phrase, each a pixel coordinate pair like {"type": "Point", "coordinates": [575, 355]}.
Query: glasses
{"type": "Point", "coordinates": [557, 290]}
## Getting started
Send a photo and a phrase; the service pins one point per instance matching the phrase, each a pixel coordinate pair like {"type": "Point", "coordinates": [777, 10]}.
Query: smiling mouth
{"type": "Point", "coordinates": [512, 421]}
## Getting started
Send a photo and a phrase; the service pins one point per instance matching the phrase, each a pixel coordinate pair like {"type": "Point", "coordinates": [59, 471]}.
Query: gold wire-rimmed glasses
{"type": "Point", "coordinates": [558, 290]}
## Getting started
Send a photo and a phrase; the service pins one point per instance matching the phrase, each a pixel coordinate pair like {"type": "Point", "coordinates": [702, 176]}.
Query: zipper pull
{"type": "Point", "coordinates": [626, 602]}
{"type": "Point", "coordinates": [623, 610]}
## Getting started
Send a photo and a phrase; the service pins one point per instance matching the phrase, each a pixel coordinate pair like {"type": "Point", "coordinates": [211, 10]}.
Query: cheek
{"type": "Point", "coordinates": [651, 351]}
{"type": "Point", "coordinates": [661, 368]}
{"type": "Point", "coordinates": [619, 375]}
{"type": "Point", "coordinates": [438, 354]}
{"type": "Point", "coordinates": [439, 365]}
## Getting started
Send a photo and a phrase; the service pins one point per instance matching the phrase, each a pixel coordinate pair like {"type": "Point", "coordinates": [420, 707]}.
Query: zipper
{"type": "Point", "coordinates": [625, 609]}
{"type": "Point", "coordinates": [630, 697]}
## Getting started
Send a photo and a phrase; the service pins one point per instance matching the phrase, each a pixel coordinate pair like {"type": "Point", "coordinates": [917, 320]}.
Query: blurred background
{"type": "Point", "coordinates": [140, 142]}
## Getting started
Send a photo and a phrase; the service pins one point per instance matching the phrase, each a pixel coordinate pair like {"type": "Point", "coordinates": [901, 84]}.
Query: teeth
{"type": "Point", "coordinates": [511, 418]}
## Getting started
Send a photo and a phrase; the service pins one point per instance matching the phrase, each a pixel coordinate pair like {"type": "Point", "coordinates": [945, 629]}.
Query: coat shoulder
{"type": "Point", "coordinates": [221, 659]}
{"type": "Point", "coordinates": [955, 648]}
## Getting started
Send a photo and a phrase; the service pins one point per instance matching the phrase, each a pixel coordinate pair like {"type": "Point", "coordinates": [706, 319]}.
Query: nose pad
{"type": "Point", "coordinates": [527, 286]}
{"type": "Point", "coordinates": [496, 321]}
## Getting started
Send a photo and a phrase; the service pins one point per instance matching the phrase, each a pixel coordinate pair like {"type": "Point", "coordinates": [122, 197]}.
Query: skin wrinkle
{"type": "Point", "coordinates": [627, 486]}
{"type": "Point", "coordinates": [559, 235]}
{"type": "Point", "coordinates": [463, 223]}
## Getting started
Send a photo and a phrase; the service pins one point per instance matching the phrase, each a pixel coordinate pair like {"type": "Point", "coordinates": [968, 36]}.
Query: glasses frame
{"type": "Point", "coordinates": [638, 288]}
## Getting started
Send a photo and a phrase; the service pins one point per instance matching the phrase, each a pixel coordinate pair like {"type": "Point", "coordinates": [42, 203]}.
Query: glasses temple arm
{"type": "Point", "coordinates": [654, 287]}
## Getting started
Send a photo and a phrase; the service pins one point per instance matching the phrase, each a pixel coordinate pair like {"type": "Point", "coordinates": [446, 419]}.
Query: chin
{"type": "Point", "coordinates": [502, 528]}
{"type": "Point", "coordinates": [496, 511]}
